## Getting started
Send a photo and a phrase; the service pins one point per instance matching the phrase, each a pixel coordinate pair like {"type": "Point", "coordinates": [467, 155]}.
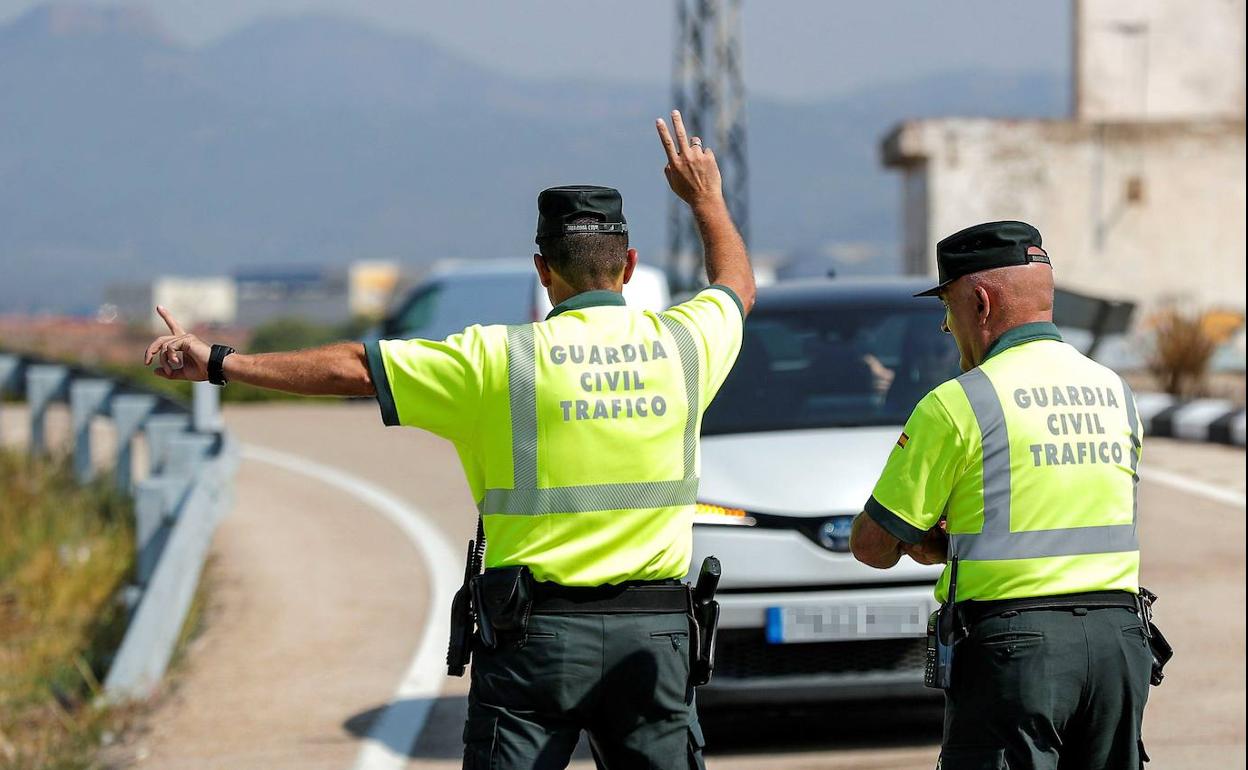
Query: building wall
{"type": "Point", "coordinates": [1159, 60]}
{"type": "Point", "coordinates": [1151, 212]}
{"type": "Point", "coordinates": [371, 287]}
{"type": "Point", "coordinates": [195, 300]}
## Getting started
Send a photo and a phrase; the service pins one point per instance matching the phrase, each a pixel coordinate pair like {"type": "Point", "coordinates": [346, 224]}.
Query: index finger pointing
{"type": "Point", "coordinates": [666, 139]}
{"type": "Point", "coordinates": [173, 325]}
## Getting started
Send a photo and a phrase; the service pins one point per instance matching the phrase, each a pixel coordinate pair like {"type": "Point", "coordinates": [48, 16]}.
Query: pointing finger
{"type": "Point", "coordinates": [666, 138]}
{"type": "Point", "coordinates": [174, 326]}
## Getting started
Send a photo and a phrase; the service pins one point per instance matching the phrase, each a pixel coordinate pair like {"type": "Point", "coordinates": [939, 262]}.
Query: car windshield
{"type": "Point", "coordinates": [455, 303]}
{"type": "Point", "coordinates": [832, 367]}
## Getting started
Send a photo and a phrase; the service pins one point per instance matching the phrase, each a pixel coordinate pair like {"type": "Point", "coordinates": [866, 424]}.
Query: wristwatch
{"type": "Point", "coordinates": [216, 364]}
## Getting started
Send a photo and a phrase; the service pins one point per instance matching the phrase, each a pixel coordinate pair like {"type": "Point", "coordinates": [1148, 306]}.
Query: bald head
{"type": "Point", "coordinates": [987, 304]}
{"type": "Point", "coordinates": [1021, 294]}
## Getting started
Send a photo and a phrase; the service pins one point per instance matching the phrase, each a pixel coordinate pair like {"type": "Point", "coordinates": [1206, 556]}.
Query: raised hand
{"type": "Point", "coordinates": [179, 355]}
{"type": "Point", "coordinates": [691, 169]}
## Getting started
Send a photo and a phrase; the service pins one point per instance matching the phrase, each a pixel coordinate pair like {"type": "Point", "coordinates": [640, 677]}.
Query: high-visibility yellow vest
{"type": "Point", "coordinates": [578, 434]}
{"type": "Point", "coordinates": [1032, 458]}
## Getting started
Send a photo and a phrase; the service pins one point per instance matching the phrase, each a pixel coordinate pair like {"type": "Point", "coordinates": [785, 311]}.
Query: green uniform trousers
{"type": "Point", "coordinates": [1050, 690]}
{"type": "Point", "coordinates": [622, 678]}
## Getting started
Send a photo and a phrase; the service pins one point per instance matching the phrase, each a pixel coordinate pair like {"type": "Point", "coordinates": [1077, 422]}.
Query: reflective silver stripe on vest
{"type": "Point", "coordinates": [689, 363]}
{"type": "Point", "coordinates": [594, 497]}
{"type": "Point", "coordinates": [1133, 420]}
{"type": "Point", "coordinates": [995, 541]}
{"type": "Point", "coordinates": [522, 390]}
{"type": "Point", "coordinates": [525, 498]}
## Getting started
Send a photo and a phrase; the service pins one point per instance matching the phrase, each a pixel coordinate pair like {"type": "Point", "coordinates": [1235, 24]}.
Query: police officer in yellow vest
{"type": "Point", "coordinates": [579, 439]}
{"type": "Point", "coordinates": [1021, 476]}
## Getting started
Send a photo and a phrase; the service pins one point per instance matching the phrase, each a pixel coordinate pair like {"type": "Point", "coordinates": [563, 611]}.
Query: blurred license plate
{"type": "Point", "coordinates": [845, 621]}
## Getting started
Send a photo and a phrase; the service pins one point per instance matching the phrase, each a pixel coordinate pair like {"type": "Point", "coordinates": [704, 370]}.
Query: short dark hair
{"type": "Point", "coordinates": [586, 260]}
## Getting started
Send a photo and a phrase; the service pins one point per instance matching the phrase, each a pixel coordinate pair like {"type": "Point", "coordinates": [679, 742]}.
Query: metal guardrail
{"type": "Point", "coordinates": [187, 490]}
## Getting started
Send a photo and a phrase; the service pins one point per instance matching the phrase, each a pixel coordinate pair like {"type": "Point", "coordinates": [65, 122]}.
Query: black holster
{"type": "Point", "coordinates": [1157, 644]}
{"type": "Point", "coordinates": [704, 611]}
{"type": "Point", "coordinates": [459, 648]}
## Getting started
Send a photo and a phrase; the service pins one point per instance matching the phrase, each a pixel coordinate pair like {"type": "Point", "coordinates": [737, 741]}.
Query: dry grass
{"type": "Point", "coordinates": [1183, 346]}
{"type": "Point", "coordinates": [65, 553]}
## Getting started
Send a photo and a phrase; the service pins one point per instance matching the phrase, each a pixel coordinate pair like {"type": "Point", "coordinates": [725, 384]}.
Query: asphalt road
{"type": "Point", "coordinates": [328, 599]}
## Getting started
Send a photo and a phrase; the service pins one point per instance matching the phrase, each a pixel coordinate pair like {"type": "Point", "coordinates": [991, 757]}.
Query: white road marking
{"type": "Point", "coordinates": [1186, 484]}
{"type": "Point", "coordinates": [396, 730]}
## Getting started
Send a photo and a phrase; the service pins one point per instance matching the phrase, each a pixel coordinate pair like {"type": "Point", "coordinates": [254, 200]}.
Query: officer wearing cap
{"type": "Point", "coordinates": [1020, 476]}
{"type": "Point", "coordinates": [579, 439]}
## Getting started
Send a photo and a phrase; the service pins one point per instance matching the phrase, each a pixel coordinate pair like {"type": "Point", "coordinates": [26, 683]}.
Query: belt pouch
{"type": "Point", "coordinates": [504, 600]}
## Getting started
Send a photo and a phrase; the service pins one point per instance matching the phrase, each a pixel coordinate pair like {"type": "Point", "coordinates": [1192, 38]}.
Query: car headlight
{"type": "Point", "coordinates": [709, 513]}
{"type": "Point", "coordinates": [833, 533]}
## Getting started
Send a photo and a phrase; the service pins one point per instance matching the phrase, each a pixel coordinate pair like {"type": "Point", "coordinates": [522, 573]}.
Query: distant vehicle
{"type": "Point", "coordinates": [829, 371]}
{"type": "Point", "coordinates": [457, 296]}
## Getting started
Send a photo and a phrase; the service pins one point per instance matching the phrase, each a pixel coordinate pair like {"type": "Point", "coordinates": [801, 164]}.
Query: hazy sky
{"type": "Point", "coordinates": [797, 49]}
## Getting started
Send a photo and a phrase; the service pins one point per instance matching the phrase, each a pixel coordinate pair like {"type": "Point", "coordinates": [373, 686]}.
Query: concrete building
{"type": "Point", "coordinates": [312, 293]}
{"type": "Point", "coordinates": [371, 285]}
{"type": "Point", "coordinates": [255, 295]}
{"type": "Point", "coordinates": [1140, 195]}
{"type": "Point", "coordinates": [322, 295]}
{"type": "Point", "coordinates": [194, 300]}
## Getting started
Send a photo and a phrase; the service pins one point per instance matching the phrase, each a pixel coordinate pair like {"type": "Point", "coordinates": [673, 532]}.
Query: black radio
{"type": "Point", "coordinates": [944, 631]}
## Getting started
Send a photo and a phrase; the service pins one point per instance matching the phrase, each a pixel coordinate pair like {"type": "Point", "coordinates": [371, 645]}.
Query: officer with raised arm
{"type": "Point", "coordinates": [579, 439]}
{"type": "Point", "coordinates": [1020, 476]}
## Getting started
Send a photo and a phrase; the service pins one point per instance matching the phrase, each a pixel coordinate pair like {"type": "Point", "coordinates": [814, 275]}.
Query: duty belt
{"type": "Point", "coordinates": [640, 596]}
{"type": "Point", "coordinates": [975, 611]}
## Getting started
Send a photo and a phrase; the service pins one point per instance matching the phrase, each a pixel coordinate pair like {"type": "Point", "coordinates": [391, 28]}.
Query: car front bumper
{"type": "Point", "coordinates": [750, 669]}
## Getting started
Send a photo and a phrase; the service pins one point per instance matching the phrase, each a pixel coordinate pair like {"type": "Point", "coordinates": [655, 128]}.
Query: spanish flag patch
{"type": "Point", "coordinates": [901, 442]}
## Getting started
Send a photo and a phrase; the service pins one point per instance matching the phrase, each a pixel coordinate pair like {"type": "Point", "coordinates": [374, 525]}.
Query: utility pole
{"type": "Point", "coordinates": [708, 90]}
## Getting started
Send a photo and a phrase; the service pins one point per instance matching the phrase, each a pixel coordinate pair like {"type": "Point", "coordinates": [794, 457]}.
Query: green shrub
{"type": "Point", "coordinates": [65, 553]}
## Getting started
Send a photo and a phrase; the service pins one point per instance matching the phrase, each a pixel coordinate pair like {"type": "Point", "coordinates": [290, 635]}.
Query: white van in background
{"type": "Point", "coordinates": [505, 291]}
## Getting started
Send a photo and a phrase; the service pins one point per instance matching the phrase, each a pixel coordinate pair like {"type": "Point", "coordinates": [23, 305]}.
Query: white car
{"type": "Point", "coordinates": [828, 373]}
{"type": "Point", "coordinates": [456, 295]}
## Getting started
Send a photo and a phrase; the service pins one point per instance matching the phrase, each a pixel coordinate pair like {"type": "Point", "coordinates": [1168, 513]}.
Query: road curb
{"type": "Point", "coordinates": [1213, 420]}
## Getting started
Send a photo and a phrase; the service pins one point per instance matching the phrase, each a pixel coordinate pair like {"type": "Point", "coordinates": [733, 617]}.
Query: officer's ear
{"type": "Point", "coordinates": [630, 264]}
{"type": "Point", "coordinates": [543, 270]}
{"type": "Point", "coordinates": [983, 304]}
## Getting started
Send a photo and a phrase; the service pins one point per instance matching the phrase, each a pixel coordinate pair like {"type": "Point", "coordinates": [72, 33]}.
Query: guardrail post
{"type": "Point", "coordinates": [87, 398]}
{"type": "Point", "coordinates": [206, 407]}
{"type": "Point", "coordinates": [153, 502]}
{"type": "Point", "coordinates": [44, 382]}
{"type": "Point", "coordinates": [153, 631]}
{"type": "Point", "coordinates": [10, 382]}
{"type": "Point", "coordinates": [129, 412]}
{"type": "Point", "coordinates": [160, 429]}
{"type": "Point", "coordinates": [177, 507]}
{"type": "Point", "coordinates": [185, 452]}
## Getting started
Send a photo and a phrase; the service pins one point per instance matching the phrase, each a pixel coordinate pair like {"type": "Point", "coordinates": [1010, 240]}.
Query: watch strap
{"type": "Point", "coordinates": [216, 364]}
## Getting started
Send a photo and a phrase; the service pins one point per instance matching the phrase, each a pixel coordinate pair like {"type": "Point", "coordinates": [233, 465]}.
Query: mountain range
{"type": "Point", "coordinates": [125, 154]}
